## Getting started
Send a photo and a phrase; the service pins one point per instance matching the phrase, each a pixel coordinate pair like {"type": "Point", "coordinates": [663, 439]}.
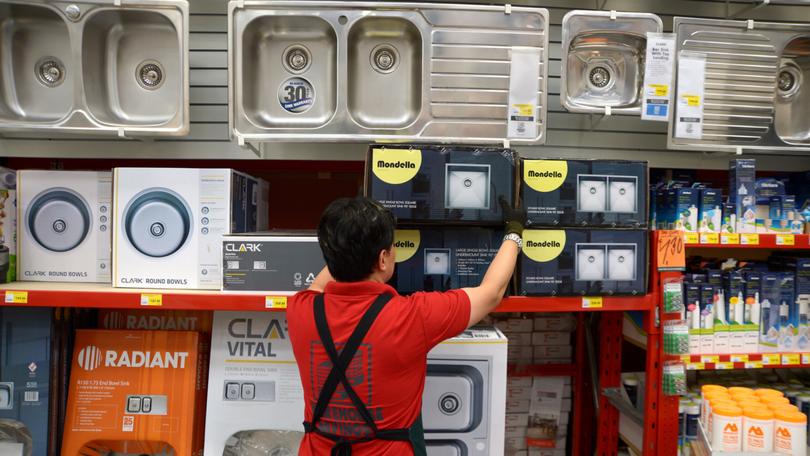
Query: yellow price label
{"type": "Point", "coordinates": [691, 238]}
{"type": "Point", "coordinates": [661, 90]}
{"type": "Point", "coordinates": [151, 299]}
{"type": "Point", "coordinates": [695, 366]}
{"type": "Point", "coordinates": [753, 365]}
{"type": "Point", "coordinates": [593, 302]}
{"type": "Point", "coordinates": [275, 302]}
{"type": "Point", "coordinates": [749, 239]}
{"type": "Point", "coordinates": [710, 359]}
{"type": "Point", "coordinates": [785, 239]}
{"type": "Point", "coordinates": [771, 359]}
{"type": "Point", "coordinates": [686, 358]}
{"type": "Point", "coordinates": [709, 238]}
{"type": "Point", "coordinates": [16, 297]}
{"type": "Point", "coordinates": [525, 109]}
{"type": "Point", "coordinates": [724, 366]}
{"type": "Point", "coordinates": [805, 358]}
{"type": "Point", "coordinates": [729, 238]}
{"type": "Point", "coordinates": [739, 358]}
{"type": "Point", "coordinates": [791, 359]}
{"type": "Point", "coordinates": [692, 100]}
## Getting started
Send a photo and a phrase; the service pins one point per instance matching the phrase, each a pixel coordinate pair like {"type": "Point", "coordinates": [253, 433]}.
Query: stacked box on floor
{"type": "Point", "coordinates": [576, 198]}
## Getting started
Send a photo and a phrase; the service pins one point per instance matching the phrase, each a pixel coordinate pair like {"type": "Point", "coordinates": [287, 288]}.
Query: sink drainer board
{"type": "Point", "coordinates": [91, 67]}
{"type": "Point", "coordinates": [755, 91]}
{"type": "Point", "coordinates": [365, 71]}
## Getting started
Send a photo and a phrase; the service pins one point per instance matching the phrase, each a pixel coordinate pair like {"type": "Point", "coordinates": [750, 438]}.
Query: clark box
{"type": "Point", "coordinates": [439, 259]}
{"type": "Point", "coordinates": [575, 262]}
{"type": "Point", "coordinates": [607, 193]}
{"type": "Point", "coordinates": [275, 263]}
{"type": "Point", "coordinates": [442, 184]}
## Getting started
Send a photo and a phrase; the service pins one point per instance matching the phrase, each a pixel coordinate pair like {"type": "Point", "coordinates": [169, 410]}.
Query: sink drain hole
{"type": "Point", "coordinates": [297, 59]}
{"type": "Point", "coordinates": [599, 77]}
{"type": "Point", "coordinates": [50, 71]}
{"type": "Point", "coordinates": [150, 75]}
{"type": "Point", "coordinates": [384, 58]}
{"type": "Point", "coordinates": [786, 81]}
{"type": "Point", "coordinates": [789, 80]}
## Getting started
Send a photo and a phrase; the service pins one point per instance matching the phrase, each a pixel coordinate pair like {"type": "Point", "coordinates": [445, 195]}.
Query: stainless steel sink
{"type": "Point", "coordinates": [603, 60]}
{"type": "Point", "coordinates": [94, 68]}
{"type": "Point", "coordinates": [379, 71]}
{"type": "Point", "coordinates": [754, 92]}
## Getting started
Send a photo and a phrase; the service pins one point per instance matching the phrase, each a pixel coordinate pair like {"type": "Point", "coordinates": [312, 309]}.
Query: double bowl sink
{"type": "Point", "coordinates": [356, 71]}
{"type": "Point", "coordinates": [756, 93]}
{"type": "Point", "coordinates": [93, 66]}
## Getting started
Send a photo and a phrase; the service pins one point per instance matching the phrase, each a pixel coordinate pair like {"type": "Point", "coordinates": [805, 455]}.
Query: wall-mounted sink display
{"type": "Point", "coordinates": [94, 68]}
{"type": "Point", "coordinates": [366, 71]}
{"type": "Point", "coordinates": [755, 95]}
{"type": "Point", "coordinates": [603, 60]}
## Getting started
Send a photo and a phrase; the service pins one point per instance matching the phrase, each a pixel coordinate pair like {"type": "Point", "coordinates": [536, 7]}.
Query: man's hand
{"type": "Point", "coordinates": [515, 220]}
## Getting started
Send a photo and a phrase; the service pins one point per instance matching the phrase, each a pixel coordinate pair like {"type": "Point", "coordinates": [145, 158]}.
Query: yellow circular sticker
{"type": "Point", "coordinates": [543, 245]}
{"type": "Point", "coordinates": [544, 175]}
{"type": "Point", "coordinates": [396, 166]}
{"type": "Point", "coordinates": [406, 243]}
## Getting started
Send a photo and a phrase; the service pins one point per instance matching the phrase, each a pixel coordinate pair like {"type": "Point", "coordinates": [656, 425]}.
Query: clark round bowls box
{"type": "Point", "coordinates": [439, 259]}
{"type": "Point", "coordinates": [599, 193]}
{"type": "Point", "coordinates": [441, 184]}
{"type": "Point", "coordinates": [575, 262]}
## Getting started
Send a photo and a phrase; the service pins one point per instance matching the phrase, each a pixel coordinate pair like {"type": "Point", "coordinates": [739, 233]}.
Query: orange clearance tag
{"type": "Point", "coordinates": [670, 250]}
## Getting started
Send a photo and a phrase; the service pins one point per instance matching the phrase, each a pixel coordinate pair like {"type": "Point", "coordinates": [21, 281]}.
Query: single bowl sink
{"type": "Point", "coordinates": [289, 72]}
{"type": "Point", "coordinates": [604, 57]}
{"type": "Point", "coordinates": [133, 67]}
{"type": "Point", "coordinates": [793, 93]}
{"type": "Point", "coordinates": [36, 70]}
{"type": "Point", "coordinates": [384, 53]}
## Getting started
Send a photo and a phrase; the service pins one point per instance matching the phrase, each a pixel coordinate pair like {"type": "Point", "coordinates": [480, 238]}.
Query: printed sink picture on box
{"type": "Point", "coordinates": [441, 184]}
{"type": "Point", "coordinates": [609, 193]}
{"type": "Point", "coordinates": [575, 262]}
{"type": "Point", "coordinates": [440, 259]}
{"type": "Point", "coordinates": [276, 263]}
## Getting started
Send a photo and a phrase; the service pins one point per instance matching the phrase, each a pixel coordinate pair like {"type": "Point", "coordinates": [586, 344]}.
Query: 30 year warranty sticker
{"type": "Point", "coordinates": [296, 95]}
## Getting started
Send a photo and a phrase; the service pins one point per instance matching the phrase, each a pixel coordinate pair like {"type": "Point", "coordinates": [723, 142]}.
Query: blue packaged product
{"type": "Point", "coordinates": [742, 193]}
{"type": "Point", "coordinates": [767, 187]}
{"type": "Point", "coordinates": [685, 209]}
{"type": "Point", "coordinates": [710, 210]}
{"type": "Point", "coordinates": [714, 277]}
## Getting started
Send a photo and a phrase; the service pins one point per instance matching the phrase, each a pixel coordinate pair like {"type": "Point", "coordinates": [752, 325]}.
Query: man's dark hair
{"type": "Point", "coordinates": [352, 232]}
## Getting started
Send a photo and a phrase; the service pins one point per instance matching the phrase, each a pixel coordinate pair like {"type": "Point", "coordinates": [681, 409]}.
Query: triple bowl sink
{"type": "Point", "coordinates": [114, 67]}
{"type": "Point", "coordinates": [356, 71]}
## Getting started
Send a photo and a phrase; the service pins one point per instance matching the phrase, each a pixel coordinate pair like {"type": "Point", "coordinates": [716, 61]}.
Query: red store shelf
{"type": "Point", "coordinates": [746, 361]}
{"type": "Point", "coordinates": [746, 241]}
{"type": "Point", "coordinates": [576, 303]}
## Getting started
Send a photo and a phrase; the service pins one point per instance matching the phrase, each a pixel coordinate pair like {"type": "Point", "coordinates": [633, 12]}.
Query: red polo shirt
{"type": "Point", "coordinates": [388, 371]}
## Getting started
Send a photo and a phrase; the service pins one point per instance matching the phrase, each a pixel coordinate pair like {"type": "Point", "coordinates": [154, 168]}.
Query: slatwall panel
{"type": "Point", "coordinates": [569, 135]}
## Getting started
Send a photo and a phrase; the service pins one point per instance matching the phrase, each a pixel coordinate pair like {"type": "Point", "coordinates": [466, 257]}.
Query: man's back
{"type": "Point", "coordinates": [388, 371]}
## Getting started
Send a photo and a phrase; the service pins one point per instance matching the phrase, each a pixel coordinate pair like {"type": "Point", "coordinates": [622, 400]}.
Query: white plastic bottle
{"type": "Point", "coordinates": [727, 428]}
{"type": "Point", "coordinates": [790, 433]}
{"type": "Point", "coordinates": [757, 430]}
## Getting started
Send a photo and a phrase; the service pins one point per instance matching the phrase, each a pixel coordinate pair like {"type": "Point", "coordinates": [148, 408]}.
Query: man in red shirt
{"type": "Point", "coordinates": [361, 348]}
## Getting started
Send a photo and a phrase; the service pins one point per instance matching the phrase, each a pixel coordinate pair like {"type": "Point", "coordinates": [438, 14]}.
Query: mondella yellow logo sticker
{"type": "Point", "coordinates": [406, 243]}
{"type": "Point", "coordinates": [395, 166]}
{"type": "Point", "coordinates": [544, 175]}
{"type": "Point", "coordinates": [543, 245]}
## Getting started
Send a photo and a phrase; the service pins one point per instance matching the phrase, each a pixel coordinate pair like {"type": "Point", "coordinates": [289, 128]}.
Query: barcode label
{"type": "Point", "coordinates": [31, 396]}
{"type": "Point", "coordinates": [233, 265]}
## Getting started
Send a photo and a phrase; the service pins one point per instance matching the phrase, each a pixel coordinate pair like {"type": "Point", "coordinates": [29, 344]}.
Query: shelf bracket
{"type": "Point", "coordinates": [252, 147]}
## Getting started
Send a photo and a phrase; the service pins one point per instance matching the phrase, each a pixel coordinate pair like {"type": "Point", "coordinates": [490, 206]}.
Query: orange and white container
{"type": "Point", "coordinates": [768, 392]}
{"type": "Point", "coordinates": [721, 402]}
{"type": "Point", "coordinates": [706, 404]}
{"type": "Point", "coordinates": [727, 432]}
{"type": "Point", "coordinates": [740, 389]}
{"type": "Point", "coordinates": [790, 433]}
{"type": "Point", "coordinates": [757, 430]}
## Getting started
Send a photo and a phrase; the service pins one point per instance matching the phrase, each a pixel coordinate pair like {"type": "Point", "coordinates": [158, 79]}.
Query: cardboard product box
{"type": "Point", "coordinates": [551, 338]}
{"type": "Point", "coordinates": [472, 369]}
{"type": "Point", "coordinates": [515, 432]}
{"type": "Point", "coordinates": [710, 210]}
{"type": "Point", "coordinates": [553, 351]}
{"type": "Point", "coordinates": [742, 193]}
{"type": "Point", "coordinates": [714, 277]}
{"type": "Point", "coordinates": [519, 325]}
{"type": "Point", "coordinates": [169, 224]}
{"type": "Point", "coordinates": [156, 320]}
{"type": "Point", "coordinates": [729, 224]}
{"type": "Point", "coordinates": [574, 262]}
{"type": "Point", "coordinates": [513, 381]}
{"type": "Point", "coordinates": [517, 419]}
{"type": "Point", "coordinates": [609, 193]}
{"type": "Point", "coordinates": [546, 412]}
{"type": "Point", "coordinates": [8, 235]}
{"type": "Point", "coordinates": [254, 385]}
{"type": "Point", "coordinates": [707, 323]}
{"type": "Point", "coordinates": [788, 312]}
{"type": "Point", "coordinates": [25, 383]}
{"type": "Point", "coordinates": [555, 322]}
{"type": "Point", "coordinates": [519, 392]}
{"type": "Point", "coordinates": [695, 277]}
{"type": "Point", "coordinates": [64, 223]}
{"type": "Point", "coordinates": [262, 205]}
{"type": "Point", "coordinates": [442, 183]}
{"type": "Point", "coordinates": [802, 271]}
{"type": "Point", "coordinates": [275, 263]}
{"type": "Point", "coordinates": [519, 339]}
{"type": "Point", "coordinates": [440, 259]}
{"type": "Point", "coordinates": [134, 392]}
{"type": "Point", "coordinates": [685, 203]}
{"type": "Point", "coordinates": [518, 353]}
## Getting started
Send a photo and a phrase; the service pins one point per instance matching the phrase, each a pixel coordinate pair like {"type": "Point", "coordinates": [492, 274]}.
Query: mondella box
{"type": "Point", "coordinates": [439, 259]}
{"type": "Point", "coordinates": [573, 262]}
{"type": "Point", "coordinates": [607, 193]}
{"type": "Point", "coordinates": [437, 184]}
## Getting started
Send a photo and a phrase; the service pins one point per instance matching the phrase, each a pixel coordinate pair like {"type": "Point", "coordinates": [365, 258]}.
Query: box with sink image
{"type": "Point", "coordinates": [574, 262]}
{"type": "Point", "coordinates": [441, 183]}
{"type": "Point", "coordinates": [8, 235]}
{"type": "Point", "coordinates": [134, 392]}
{"type": "Point", "coordinates": [609, 193]}
{"type": "Point", "coordinates": [439, 259]}
{"type": "Point", "coordinates": [25, 385]}
{"type": "Point", "coordinates": [255, 399]}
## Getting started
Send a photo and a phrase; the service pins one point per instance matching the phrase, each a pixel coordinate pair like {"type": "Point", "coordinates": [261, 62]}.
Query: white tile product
{"type": "Point", "coordinates": [169, 224]}
{"type": "Point", "coordinates": [252, 402]}
{"type": "Point", "coordinates": [551, 338]}
{"type": "Point", "coordinates": [553, 351]}
{"type": "Point", "coordinates": [64, 226]}
{"type": "Point", "coordinates": [554, 322]}
{"type": "Point", "coordinates": [464, 401]}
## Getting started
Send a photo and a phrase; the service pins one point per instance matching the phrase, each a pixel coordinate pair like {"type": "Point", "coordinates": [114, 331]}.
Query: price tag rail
{"type": "Point", "coordinates": [746, 361]}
